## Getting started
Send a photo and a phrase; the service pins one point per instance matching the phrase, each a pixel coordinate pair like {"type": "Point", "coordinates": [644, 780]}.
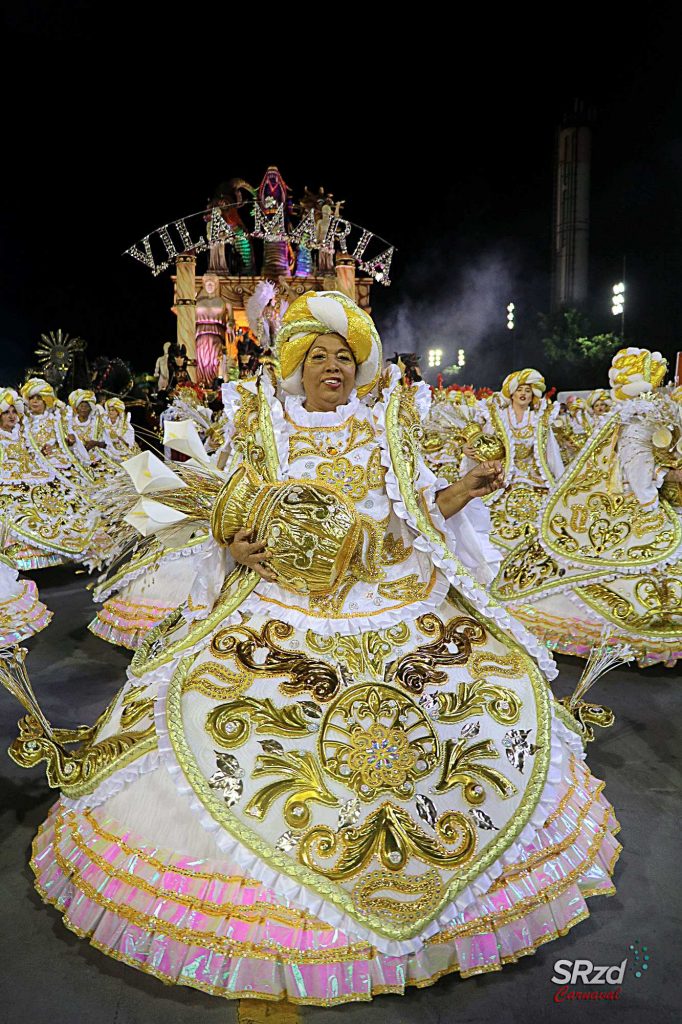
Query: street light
{"type": "Point", "coordinates": [510, 316]}
{"type": "Point", "coordinates": [618, 299]}
{"type": "Point", "coordinates": [461, 357]}
{"type": "Point", "coordinates": [435, 356]}
{"type": "Point", "coordinates": [618, 304]}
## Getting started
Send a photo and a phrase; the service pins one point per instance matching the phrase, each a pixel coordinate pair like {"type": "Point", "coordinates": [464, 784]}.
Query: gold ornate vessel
{"type": "Point", "coordinates": [311, 530]}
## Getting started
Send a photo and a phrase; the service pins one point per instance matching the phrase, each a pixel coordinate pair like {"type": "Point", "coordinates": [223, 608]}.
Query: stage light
{"type": "Point", "coordinates": [510, 316]}
{"type": "Point", "coordinates": [618, 304]}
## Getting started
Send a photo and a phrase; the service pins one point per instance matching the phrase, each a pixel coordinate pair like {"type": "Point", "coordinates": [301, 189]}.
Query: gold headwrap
{"type": "Point", "coordinates": [82, 395]}
{"type": "Point", "coordinates": [514, 380]}
{"type": "Point", "coordinates": [636, 371]}
{"type": "Point", "coordinates": [117, 404]}
{"type": "Point", "coordinates": [9, 399]}
{"type": "Point", "coordinates": [38, 386]}
{"type": "Point", "coordinates": [316, 313]}
{"type": "Point", "coordinates": [598, 395]}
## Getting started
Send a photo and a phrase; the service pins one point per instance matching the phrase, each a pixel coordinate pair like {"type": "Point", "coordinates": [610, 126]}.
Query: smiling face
{"type": "Point", "coordinates": [601, 406]}
{"type": "Point", "coordinates": [328, 373]}
{"type": "Point", "coordinates": [113, 414]}
{"type": "Point", "coordinates": [36, 405]}
{"type": "Point", "coordinates": [8, 418]}
{"type": "Point", "coordinates": [83, 411]}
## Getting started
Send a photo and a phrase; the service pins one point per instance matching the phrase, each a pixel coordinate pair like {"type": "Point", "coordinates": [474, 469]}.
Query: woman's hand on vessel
{"type": "Point", "coordinates": [479, 481]}
{"type": "Point", "coordinates": [484, 479]}
{"type": "Point", "coordinates": [253, 554]}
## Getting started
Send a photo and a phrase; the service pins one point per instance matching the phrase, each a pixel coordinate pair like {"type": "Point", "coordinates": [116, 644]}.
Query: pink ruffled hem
{"type": "Point", "coordinates": [128, 630]}
{"type": "Point", "coordinates": [578, 637]}
{"type": "Point", "coordinates": [27, 614]}
{"type": "Point", "coordinates": [201, 923]}
{"type": "Point", "coordinates": [33, 558]}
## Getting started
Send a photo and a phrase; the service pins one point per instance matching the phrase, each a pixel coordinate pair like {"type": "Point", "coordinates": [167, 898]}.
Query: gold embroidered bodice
{"type": "Point", "coordinates": [523, 435]}
{"type": "Point", "coordinates": [43, 429]}
{"type": "Point", "coordinates": [17, 463]}
{"type": "Point", "coordinates": [387, 572]}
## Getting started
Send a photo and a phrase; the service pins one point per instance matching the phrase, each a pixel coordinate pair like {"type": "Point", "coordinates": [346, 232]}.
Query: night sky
{"type": "Point", "coordinates": [439, 137]}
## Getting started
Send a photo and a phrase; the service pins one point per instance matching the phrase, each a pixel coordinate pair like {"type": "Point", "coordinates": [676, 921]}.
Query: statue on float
{"type": "Point", "coordinates": [272, 200]}
{"type": "Point", "coordinates": [229, 198]}
{"type": "Point", "coordinates": [212, 316]}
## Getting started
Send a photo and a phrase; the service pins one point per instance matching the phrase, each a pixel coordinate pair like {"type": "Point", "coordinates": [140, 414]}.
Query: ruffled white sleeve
{"type": "Point", "coordinates": [553, 452]}
{"type": "Point", "coordinates": [637, 461]}
{"type": "Point", "coordinates": [464, 542]}
{"type": "Point", "coordinates": [469, 536]}
{"type": "Point", "coordinates": [467, 532]}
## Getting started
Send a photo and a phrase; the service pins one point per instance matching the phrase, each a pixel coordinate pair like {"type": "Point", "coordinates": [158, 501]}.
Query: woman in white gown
{"type": "Point", "coordinates": [521, 419]}
{"type": "Point", "coordinates": [45, 431]}
{"type": "Point", "coordinates": [44, 520]}
{"type": "Point", "coordinates": [349, 776]}
{"type": "Point", "coordinates": [120, 429]}
{"type": "Point", "coordinates": [605, 560]}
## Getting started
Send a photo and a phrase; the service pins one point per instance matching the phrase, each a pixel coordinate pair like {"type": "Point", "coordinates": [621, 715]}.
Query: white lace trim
{"type": "Point", "coordinates": [350, 625]}
{"type": "Point", "coordinates": [134, 574]}
{"type": "Point", "coordinates": [115, 783]}
{"type": "Point", "coordinates": [295, 410]}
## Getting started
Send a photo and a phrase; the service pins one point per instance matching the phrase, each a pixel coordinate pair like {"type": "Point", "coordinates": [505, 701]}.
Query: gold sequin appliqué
{"type": "Point", "coordinates": [390, 834]}
{"type": "Point", "coordinates": [375, 739]}
{"type": "Point", "coordinates": [342, 474]}
{"type": "Point", "coordinates": [364, 655]}
{"type": "Point", "coordinates": [371, 894]}
{"type": "Point", "coordinates": [329, 442]}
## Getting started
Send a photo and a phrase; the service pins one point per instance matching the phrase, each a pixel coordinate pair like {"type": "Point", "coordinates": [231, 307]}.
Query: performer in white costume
{"type": "Point", "coordinates": [44, 520]}
{"type": "Point", "coordinates": [606, 558]}
{"type": "Point", "coordinates": [521, 419]}
{"type": "Point", "coordinates": [349, 776]}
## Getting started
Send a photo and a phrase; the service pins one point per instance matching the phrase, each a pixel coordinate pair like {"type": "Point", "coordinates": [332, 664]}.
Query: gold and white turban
{"type": "Point", "coordinates": [82, 395]}
{"type": "Point", "coordinates": [117, 404]}
{"type": "Point", "coordinates": [10, 399]}
{"type": "Point", "coordinates": [514, 380]}
{"type": "Point", "coordinates": [598, 395]}
{"type": "Point", "coordinates": [38, 386]}
{"type": "Point", "coordinates": [636, 371]}
{"type": "Point", "coordinates": [316, 313]}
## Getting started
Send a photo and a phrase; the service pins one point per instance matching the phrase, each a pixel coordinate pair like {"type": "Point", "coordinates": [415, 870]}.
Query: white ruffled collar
{"type": "Point", "coordinates": [525, 419]}
{"type": "Point", "coordinates": [11, 435]}
{"type": "Point", "coordinates": [293, 405]}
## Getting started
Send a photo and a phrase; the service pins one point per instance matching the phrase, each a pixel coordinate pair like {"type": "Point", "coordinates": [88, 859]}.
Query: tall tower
{"type": "Point", "coordinates": [571, 213]}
